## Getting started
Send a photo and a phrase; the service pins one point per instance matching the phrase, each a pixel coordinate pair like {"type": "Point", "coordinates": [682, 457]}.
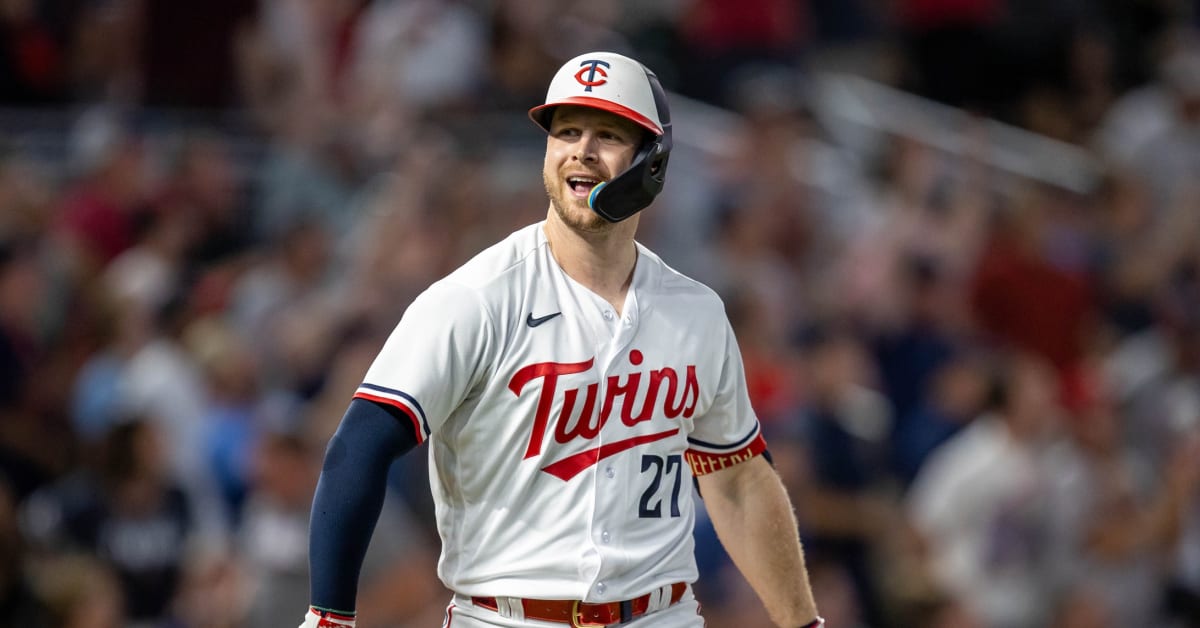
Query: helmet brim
{"type": "Point", "coordinates": [541, 113]}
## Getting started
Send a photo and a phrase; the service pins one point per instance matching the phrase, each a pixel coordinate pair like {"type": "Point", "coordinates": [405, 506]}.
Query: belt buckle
{"type": "Point", "coordinates": [577, 617]}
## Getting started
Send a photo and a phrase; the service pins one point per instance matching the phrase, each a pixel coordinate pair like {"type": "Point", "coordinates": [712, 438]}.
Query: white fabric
{"type": "Point", "coordinates": [510, 608]}
{"type": "Point", "coordinates": [659, 599]}
{"type": "Point", "coordinates": [470, 369]}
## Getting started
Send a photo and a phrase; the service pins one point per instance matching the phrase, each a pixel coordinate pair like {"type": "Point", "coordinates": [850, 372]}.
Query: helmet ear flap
{"type": "Point", "coordinates": [634, 190]}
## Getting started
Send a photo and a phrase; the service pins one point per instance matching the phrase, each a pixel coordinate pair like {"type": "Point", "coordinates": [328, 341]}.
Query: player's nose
{"type": "Point", "coordinates": [585, 149]}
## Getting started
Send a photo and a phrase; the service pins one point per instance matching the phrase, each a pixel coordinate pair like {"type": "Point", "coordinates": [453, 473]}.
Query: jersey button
{"type": "Point", "coordinates": [628, 321]}
{"type": "Point", "coordinates": [601, 588]}
{"type": "Point", "coordinates": [605, 537]}
{"type": "Point", "coordinates": [608, 315]}
{"type": "Point", "coordinates": [609, 473]}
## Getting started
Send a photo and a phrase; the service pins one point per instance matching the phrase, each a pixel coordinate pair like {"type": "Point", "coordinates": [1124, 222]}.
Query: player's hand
{"type": "Point", "coordinates": [325, 619]}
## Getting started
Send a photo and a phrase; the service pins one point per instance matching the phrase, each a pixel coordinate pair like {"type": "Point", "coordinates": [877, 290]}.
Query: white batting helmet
{"type": "Point", "coordinates": [622, 86]}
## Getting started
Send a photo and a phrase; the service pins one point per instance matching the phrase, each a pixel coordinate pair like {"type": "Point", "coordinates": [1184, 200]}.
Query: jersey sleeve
{"type": "Point", "coordinates": [433, 358]}
{"type": "Point", "coordinates": [729, 432]}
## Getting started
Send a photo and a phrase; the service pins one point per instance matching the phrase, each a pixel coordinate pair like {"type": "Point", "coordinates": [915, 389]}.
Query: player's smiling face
{"type": "Point", "coordinates": [585, 147]}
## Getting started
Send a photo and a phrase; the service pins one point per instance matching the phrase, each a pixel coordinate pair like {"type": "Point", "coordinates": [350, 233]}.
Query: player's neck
{"type": "Point", "coordinates": [602, 263]}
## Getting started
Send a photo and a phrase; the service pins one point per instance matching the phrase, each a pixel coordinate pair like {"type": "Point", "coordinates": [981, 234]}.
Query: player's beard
{"type": "Point", "coordinates": [574, 212]}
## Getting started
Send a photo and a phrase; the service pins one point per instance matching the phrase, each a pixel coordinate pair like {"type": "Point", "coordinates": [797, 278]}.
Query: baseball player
{"type": "Point", "coordinates": [570, 385]}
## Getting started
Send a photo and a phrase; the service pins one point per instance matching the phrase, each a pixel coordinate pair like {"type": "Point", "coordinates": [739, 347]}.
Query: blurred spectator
{"type": "Point", "coordinates": [99, 214]}
{"type": "Point", "coordinates": [163, 380]}
{"type": "Point", "coordinates": [230, 425]}
{"type": "Point", "coordinates": [274, 532]}
{"type": "Point", "coordinates": [1021, 298]}
{"type": "Point", "coordinates": [131, 514]}
{"type": "Point", "coordinates": [842, 426]}
{"type": "Point", "coordinates": [719, 38]}
{"type": "Point", "coordinates": [1154, 372]}
{"type": "Point", "coordinates": [31, 56]}
{"type": "Point", "coordinates": [944, 612]}
{"type": "Point", "coordinates": [1169, 158]}
{"type": "Point", "coordinates": [924, 228]}
{"type": "Point", "coordinates": [203, 189]}
{"type": "Point", "coordinates": [311, 172]}
{"type": "Point", "coordinates": [770, 365]}
{"type": "Point", "coordinates": [27, 196]}
{"type": "Point", "coordinates": [923, 335]}
{"type": "Point", "coordinates": [291, 275]}
{"type": "Point", "coordinates": [1115, 519]}
{"type": "Point", "coordinates": [25, 357]}
{"type": "Point", "coordinates": [154, 268]}
{"type": "Point", "coordinates": [404, 236]}
{"type": "Point", "coordinates": [421, 53]}
{"type": "Point", "coordinates": [955, 394]}
{"type": "Point", "coordinates": [20, 288]}
{"type": "Point", "coordinates": [19, 603]}
{"type": "Point", "coordinates": [980, 502]}
{"type": "Point", "coordinates": [1133, 253]}
{"type": "Point", "coordinates": [521, 61]}
{"type": "Point", "coordinates": [80, 592]}
{"type": "Point", "coordinates": [397, 583]}
{"type": "Point", "coordinates": [769, 211]}
{"type": "Point", "coordinates": [1081, 607]}
{"type": "Point", "coordinates": [1150, 108]}
{"type": "Point", "coordinates": [300, 53]}
{"type": "Point", "coordinates": [159, 377]}
{"type": "Point", "coordinates": [103, 50]}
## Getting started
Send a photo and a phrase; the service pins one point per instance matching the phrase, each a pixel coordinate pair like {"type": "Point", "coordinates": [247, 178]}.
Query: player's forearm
{"type": "Point", "coordinates": [754, 520]}
{"type": "Point", "coordinates": [348, 501]}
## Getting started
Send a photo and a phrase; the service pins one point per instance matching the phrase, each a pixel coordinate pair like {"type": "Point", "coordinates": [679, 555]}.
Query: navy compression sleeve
{"type": "Point", "coordinates": [349, 498]}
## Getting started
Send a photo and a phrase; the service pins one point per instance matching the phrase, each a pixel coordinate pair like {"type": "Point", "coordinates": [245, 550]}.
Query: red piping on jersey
{"type": "Point", "coordinates": [400, 406]}
{"type": "Point", "coordinates": [703, 462]}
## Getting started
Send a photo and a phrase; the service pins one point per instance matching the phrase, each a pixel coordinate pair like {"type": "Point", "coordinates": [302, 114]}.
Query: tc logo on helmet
{"type": "Point", "coordinates": [592, 68]}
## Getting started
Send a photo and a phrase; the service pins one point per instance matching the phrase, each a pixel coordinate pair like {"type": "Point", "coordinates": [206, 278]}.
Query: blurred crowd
{"type": "Point", "coordinates": [982, 389]}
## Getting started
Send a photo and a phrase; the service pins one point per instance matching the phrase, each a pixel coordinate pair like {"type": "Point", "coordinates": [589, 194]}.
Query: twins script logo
{"type": "Point", "coordinates": [592, 68]}
{"type": "Point", "coordinates": [679, 399]}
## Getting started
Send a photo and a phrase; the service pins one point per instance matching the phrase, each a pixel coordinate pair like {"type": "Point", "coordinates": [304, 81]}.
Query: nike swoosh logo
{"type": "Point", "coordinates": [534, 322]}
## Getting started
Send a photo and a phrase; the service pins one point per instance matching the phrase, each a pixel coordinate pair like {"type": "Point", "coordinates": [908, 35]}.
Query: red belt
{"type": "Point", "coordinates": [582, 614]}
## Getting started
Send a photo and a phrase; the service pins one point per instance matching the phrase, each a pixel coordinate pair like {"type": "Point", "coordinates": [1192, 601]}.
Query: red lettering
{"type": "Point", "coordinates": [691, 392]}
{"type": "Point", "coordinates": [628, 391]}
{"type": "Point", "coordinates": [587, 423]}
{"type": "Point", "coordinates": [550, 371]}
{"type": "Point", "coordinates": [583, 427]}
{"type": "Point", "coordinates": [648, 403]}
{"type": "Point", "coordinates": [687, 400]}
{"type": "Point", "coordinates": [672, 380]}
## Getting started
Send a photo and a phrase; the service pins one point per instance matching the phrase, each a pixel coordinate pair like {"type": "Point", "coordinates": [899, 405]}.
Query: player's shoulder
{"type": "Point", "coordinates": [489, 281]}
{"type": "Point", "coordinates": [499, 260]}
{"type": "Point", "coordinates": [676, 285]}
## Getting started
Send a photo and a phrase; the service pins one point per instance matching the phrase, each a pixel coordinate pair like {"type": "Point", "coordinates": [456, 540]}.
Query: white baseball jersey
{"type": "Point", "coordinates": [558, 430]}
